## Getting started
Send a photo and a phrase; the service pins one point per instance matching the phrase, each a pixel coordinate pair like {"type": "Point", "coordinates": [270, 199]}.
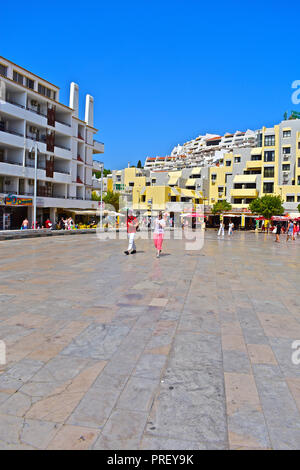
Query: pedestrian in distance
{"type": "Point", "coordinates": [290, 231]}
{"type": "Point", "coordinates": [25, 224]}
{"type": "Point", "coordinates": [159, 226]}
{"type": "Point", "coordinates": [221, 229]}
{"type": "Point", "coordinates": [132, 225]}
{"type": "Point", "coordinates": [278, 232]}
{"type": "Point", "coordinates": [230, 228]}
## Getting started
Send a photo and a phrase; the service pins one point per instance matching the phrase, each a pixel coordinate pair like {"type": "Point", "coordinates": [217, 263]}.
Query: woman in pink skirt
{"type": "Point", "coordinates": [159, 225]}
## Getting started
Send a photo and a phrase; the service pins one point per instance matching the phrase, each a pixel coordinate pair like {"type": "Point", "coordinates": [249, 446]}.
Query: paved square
{"type": "Point", "coordinates": [189, 351]}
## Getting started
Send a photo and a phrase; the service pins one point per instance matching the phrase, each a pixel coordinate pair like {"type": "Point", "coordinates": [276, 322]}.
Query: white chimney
{"type": "Point", "coordinates": [74, 98]}
{"type": "Point", "coordinates": [89, 110]}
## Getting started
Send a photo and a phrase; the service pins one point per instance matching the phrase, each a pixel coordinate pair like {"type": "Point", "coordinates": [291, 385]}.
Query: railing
{"type": "Point", "coordinates": [62, 147]}
{"type": "Point", "coordinates": [36, 111]}
{"type": "Point", "coordinates": [36, 139]}
{"type": "Point", "coordinates": [64, 123]}
{"type": "Point", "coordinates": [31, 165]}
{"type": "Point", "coordinates": [98, 142]}
{"type": "Point", "coordinates": [14, 103]}
{"type": "Point", "coordinates": [62, 171]}
{"type": "Point", "coordinates": [9, 131]}
{"type": "Point", "coordinates": [11, 163]}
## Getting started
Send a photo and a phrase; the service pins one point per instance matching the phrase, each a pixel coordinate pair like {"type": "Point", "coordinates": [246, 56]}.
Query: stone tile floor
{"type": "Point", "coordinates": [191, 351]}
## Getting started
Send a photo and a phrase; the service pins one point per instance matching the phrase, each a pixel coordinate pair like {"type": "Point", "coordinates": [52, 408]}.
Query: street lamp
{"type": "Point", "coordinates": [35, 182]}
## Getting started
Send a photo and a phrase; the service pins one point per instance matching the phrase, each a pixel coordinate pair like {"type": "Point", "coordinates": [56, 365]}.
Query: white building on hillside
{"type": "Point", "coordinates": [204, 150]}
{"type": "Point", "coordinates": [30, 113]}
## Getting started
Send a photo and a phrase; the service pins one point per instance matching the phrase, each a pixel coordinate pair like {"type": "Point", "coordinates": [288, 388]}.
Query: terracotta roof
{"type": "Point", "coordinates": [214, 138]}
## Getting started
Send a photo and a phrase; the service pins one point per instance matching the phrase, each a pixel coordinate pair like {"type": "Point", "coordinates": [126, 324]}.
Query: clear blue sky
{"type": "Point", "coordinates": [161, 72]}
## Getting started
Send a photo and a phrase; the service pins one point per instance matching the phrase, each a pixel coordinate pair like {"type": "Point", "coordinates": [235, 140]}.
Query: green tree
{"type": "Point", "coordinates": [221, 206]}
{"type": "Point", "coordinates": [139, 164]}
{"type": "Point", "coordinates": [105, 173]}
{"type": "Point", "coordinates": [95, 196]}
{"type": "Point", "coordinates": [112, 198]}
{"type": "Point", "coordinates": [267, 206]}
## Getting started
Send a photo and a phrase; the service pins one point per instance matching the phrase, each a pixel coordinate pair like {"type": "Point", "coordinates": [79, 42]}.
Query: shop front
{"type": "Point", "coordinates": [13, 210]}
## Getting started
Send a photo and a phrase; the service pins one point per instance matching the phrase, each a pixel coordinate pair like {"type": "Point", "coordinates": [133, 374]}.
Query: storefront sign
{"type": "Point", "coordinates": [17, 201]}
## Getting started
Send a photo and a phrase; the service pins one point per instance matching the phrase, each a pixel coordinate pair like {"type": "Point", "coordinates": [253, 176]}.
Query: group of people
{"type": "Point", "coordinates": [158, 237]}
{"type": "Point", "coordinates": [25, 224]}
{"type": "Point", "coordinates": [66, 224]}
{"type": "Point", "coordinates": [62, 224]}
{"type": "Point", "coordinates": [292, 230]}
{"type": "Point", "coordinates": [221, 231]}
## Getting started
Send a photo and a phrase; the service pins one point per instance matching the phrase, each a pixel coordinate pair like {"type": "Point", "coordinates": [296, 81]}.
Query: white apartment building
{"type": "Point", "coordinates": [204, 150]}
{"type": "Point", "coordinates": [31, 114]}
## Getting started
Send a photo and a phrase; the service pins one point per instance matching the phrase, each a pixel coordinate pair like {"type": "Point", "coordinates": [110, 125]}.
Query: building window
{"type": "Point", "coordinates": [17, 77]}
{"type": "Point", "coordinates": [237, 159]}
{"type": "Point", "coordinates": [269, 140]}
{"type": "Point", "coordinates": [228, 162]}
{"type": "Point", "coordinates": [213, 177]}
{"type": "Point", "coordinates": [46, 92]}
{"type": "Point", "coordinates": [298, 180]}
{"type": "Point", "coordinates": [298, 198]}
{"type": "Point", "coordinates": [268, 187]}
{"type": "Point", "coordinates": [286, 134]}
{"type": "Point", "coordinates": [286, 150]}
{"type": "Point", "coordinates": [237, 201]}
{"type": "Point", "coordinates": [255, 157]}
{"type": "Point", "coordinates": [3, 70]}
{"type": "Point", "coordinates": [290, 199]}
{"type": "Point", "coordinates": [29, 83]}
{"type": "Point", "coordinates": [286, 167]}
{"type": "Point", "coordinates": [269, 156]}
{"type": "Point", "coordinates": [269, 172]}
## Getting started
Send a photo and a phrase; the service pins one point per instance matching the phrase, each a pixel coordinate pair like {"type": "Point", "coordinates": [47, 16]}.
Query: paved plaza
{"type": "Point", "coordinates": [189, 351]}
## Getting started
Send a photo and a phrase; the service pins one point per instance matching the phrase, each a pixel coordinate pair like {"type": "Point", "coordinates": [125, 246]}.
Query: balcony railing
{"type": "Point", "coordinates": [9, 131]}
{"type": "Point", "coordinates": [11, 163]}
{"type": "Point", "coordinates": [36, 111]}
{"type": "Point", "coordinates": [8, 100]}
{"type": "Point", "coordinates": [61, 122]}
{"type": "Point", "coordinates": [62, 171]}
{"type": "Point", "coordinates": [37, 139]}
{"type": "Point", "coordinates": [62, 147]}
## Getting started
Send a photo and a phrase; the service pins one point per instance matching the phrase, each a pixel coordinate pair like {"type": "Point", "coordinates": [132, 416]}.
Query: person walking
{"type": "Point", "coordinates": [278, 232]}
{"type": "Point", "coordinates": [230, 228]}
{"type": "Point", "coordinates": [132, 224]}
{"type": "Point", "coordinates": [290, 231]}
{"type": "Point", "coordinates": [159, 226]}
{"type": "Point", "coordinates": [221, 229]}
{"type": "Point", "coordinates": [25, 224]}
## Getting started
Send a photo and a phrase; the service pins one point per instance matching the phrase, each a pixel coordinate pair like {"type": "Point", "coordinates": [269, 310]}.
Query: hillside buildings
{"type": "Point", "coordinates": [254, 164]}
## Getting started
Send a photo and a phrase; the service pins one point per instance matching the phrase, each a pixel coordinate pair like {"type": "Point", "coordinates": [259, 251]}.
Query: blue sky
{"type": "Point", "coordinates": [161, 72]}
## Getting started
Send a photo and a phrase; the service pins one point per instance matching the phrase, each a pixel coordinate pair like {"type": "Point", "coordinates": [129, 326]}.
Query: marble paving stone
{"type": "Point", "coordinates": [261, 354]}
{"type": "Point", "coordinates": [97, 341]}
{"type": "Point", "coordinates": [73, 438]}
{"type": "Point", "coordinates": [122, 431]}
{"type": "Point", "coordinates": [150, 366]}
{"type": "Point", "coordinates": [236, 361]}
{"type": "Point", "coordinates": [97, 404]}
{"type": "Point", "coordinates": [138, 394]}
